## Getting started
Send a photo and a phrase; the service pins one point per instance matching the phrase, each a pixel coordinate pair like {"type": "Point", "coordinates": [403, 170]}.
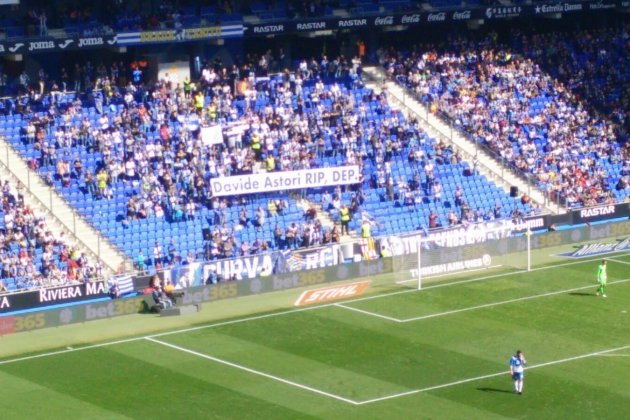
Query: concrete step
{"type": "Point", "coordinates": [180, 310]}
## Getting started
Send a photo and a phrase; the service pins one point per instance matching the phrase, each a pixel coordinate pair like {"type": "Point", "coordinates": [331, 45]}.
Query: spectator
{"type": "Point", "coordinates": [277, 236]}
{"type": "Point", "coordinates": [140, 261]}
{"type": "Point", "coordinates": [102, 179]}
{"type": "Point", "coordinates": [260, 218]}
{"type": "Point", "coordinates": [366, 228]}
{"type": "Point", "coordinates": [272, 208]}
{"type": "Point", "coordinates": [243, 219]}
{"type": "Point", "coordinates": [160, 297]}
{"type": "Point", "coordinates": [212, 278]}
{"type": "Point", "coordinates": [433, 220]}
{"type": "Point", "coordinates": [157, 255]}
{"type": "Point", "coordinates": [114, 290]}
{"type": "Point", "coordinates": [172, 252]}
{"type": "Point", "coordinates": [345, 216]}
{"type": "Point", "coordinates": [291, 236]}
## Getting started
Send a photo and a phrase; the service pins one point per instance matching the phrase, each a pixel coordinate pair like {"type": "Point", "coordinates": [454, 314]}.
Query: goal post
{"type": "Point", "coordinates": [418, 259]}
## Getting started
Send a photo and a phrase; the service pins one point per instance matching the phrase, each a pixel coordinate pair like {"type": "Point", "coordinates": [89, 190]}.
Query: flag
{"type": "Point", "coordinates": [125, 284]}
{"type": "Point", "coordinates": [365, 216]}
{"type": "Point", "coordinates": [293, 260]}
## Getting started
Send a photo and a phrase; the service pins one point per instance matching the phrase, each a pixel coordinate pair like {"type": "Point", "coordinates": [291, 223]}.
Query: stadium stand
{"type": "Point", "coordinates": [129, 162]}
{"type": "Point", "coordinates": [126, 154]}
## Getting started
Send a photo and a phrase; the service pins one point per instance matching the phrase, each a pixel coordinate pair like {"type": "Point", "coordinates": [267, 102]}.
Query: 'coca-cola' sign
{"type": "Point", "coordinates": [384, 20]}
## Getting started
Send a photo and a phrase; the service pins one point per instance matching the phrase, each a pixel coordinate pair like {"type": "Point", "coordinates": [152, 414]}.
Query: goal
{"type": "Point", "coordinates": [420, 258]}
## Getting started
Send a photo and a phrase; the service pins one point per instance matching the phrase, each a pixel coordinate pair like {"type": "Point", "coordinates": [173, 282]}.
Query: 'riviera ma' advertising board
{"type": "Point", "coordinates": [53, 296]}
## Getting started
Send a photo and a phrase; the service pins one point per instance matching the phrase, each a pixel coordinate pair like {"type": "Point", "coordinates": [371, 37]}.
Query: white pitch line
{"type": "Point", "coordinates": [69, 350]}
{"type": "Point", "coordinates": [618, 261]}
{"type": "Point", "coordinates": [614, 355]}
{"type": "Point", "coordinates": [504, 302]}
{"type": "Point", "coordinates": [492, 375]}
{"type": "Point", "coordinates": [253, 371]}
{"type": "Point", "coordinates": [389, 318]}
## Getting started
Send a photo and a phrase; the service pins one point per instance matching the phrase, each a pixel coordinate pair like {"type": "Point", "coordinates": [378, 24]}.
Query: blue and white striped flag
{"type": "Point", "coordinates": [125, 284]}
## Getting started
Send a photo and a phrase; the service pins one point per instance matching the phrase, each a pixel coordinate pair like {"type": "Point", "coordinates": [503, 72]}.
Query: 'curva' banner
{"type": "Point", "coordinates": [251, 266]}
{"type": "Point", "coordinates": [280, 181]}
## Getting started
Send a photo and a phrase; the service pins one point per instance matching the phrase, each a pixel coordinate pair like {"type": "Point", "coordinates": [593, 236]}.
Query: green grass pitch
{"type": "Point", "coordinates": [438, 353]}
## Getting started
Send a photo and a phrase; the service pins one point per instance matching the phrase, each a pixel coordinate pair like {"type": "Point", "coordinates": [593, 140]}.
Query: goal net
{"type": "Point", "coordinates": [423, 258]}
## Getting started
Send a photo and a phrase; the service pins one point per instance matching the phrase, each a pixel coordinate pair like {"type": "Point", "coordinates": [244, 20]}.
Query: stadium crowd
{"type": "Point", "coordinates": [146, 135]}
{"type": "Point", "coordinates": [593, 64]}
{"type": "Point", "coordinates": [31, 256]}
{"type": "Point", "coordinates": [488, 90]}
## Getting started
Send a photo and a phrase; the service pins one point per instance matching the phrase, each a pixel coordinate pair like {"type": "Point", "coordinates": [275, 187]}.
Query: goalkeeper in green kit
{"type": "Point", "coordinates": [601, 279]}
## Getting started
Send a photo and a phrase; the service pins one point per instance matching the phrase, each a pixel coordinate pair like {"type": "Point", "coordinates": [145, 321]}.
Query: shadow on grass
{"type": "Point", "coordinates": [487, 389]}
{"type": "Point", "coordinates": [581, 294]}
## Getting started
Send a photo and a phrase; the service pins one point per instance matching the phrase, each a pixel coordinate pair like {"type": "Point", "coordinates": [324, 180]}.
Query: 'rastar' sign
{"type": "Point", "coordinates": [282, 181]}
{"type": "Point", "coordinates": [597, 211]}
{"type": "Point", "coordinates": [311, 26]}
{"type": "Point", "coordinates": [604, 212]}
{"type": "Point", "coordinates": [352, 23]}
{"type": "Point", "coordinates": [267, 29]}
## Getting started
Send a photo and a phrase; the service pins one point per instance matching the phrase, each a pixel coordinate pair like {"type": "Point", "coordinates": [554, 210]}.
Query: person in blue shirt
{"type": "Point", "coordinates": [517, 367]}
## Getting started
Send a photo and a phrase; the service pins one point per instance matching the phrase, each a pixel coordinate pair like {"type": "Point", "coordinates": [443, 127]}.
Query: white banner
{"type": "Point", "coordinates": [176, 71]}
{"type": "Point", "coordinates": [450, 237]}
{"type": "Point", "coordinates": [280, 181]}
{"type": "Point", "coordinates": [212, 135]}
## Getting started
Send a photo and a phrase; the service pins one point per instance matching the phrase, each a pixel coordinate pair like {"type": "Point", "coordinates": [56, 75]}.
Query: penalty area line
{"type": "Point", "coordinates": [613, 355]}
{"type": "Point", "coordinates": [252, 371]}
{"type": "Point", "coordinates": [618, 261]}
{"type": "Point", "coordinates": [361, 311]}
